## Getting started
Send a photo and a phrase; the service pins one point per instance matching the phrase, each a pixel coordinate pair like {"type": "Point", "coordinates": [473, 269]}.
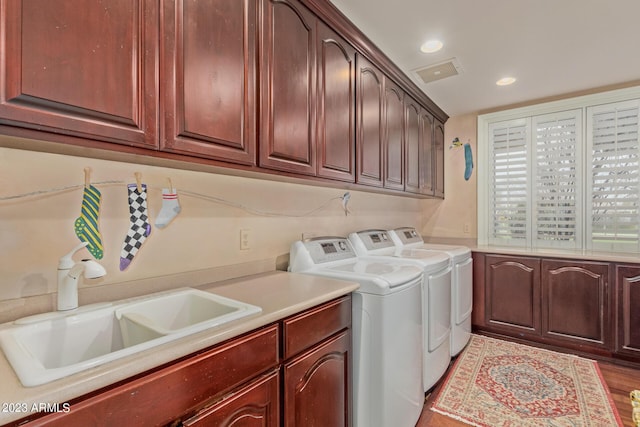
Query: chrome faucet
{"type": "Point", "coordinates": [68, 275]}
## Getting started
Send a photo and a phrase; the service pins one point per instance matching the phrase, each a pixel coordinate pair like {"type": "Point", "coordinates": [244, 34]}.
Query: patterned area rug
{"type": "Point", "coordinates": [496, 383]}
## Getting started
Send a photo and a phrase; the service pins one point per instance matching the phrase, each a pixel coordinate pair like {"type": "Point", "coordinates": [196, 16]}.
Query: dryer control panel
{"type": "Point", "coordinates": [406, 235]}
{"type": "Point", "coordinates": [375, 239]}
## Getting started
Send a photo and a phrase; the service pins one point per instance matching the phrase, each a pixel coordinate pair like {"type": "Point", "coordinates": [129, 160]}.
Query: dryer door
{"type": "Point", "coordinates": [463, 290]}
{"type": "Point", "coordinates": [438, 305]}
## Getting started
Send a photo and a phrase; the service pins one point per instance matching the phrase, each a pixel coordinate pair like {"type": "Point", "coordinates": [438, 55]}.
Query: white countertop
{"type": "Point", "coordinates": [279, 294]}
{"type": "Point", "coordinates": [561, 253]}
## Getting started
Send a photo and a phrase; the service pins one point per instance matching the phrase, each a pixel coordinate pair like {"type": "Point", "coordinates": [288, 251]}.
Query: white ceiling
{"type": "Point", "coordinates": [552, 47]}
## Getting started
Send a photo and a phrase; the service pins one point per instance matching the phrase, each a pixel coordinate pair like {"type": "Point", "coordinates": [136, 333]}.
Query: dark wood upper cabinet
{"type": "Point", "coordinates": [81, 67]}
{"type": "Point", "coordinates": [282, 87]}
{"type": "Point", "coordinates": [288, 87]}
{"type": "Point", "coordinates": [419, 149]}
{"type": "Point", "coordinates": [336, 106]}
{"type": "Point", "coordinates": [393, 136]}
{"type": "Point", "coordinates": [438, 161]}
{"type": "Point", "coordinates": [209, 65]}
{"type": "Point", "coordinates": [369, 116]}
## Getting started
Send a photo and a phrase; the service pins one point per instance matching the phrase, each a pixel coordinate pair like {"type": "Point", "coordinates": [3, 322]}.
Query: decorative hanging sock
{"type": "Point", "coordinates": [468, 161]}
{"type": "Point", "coordinates": [86, 226]}
{"type": "Point", "coordinates": [170, 207]}
{"type": "Point", "coordinates": [139, 227]}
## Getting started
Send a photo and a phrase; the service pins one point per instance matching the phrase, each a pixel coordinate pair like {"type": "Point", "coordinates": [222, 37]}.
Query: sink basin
{"type": "Point", "coordinates": [185, 310]}
{"type": "Point", "coordinates": [63, 343]}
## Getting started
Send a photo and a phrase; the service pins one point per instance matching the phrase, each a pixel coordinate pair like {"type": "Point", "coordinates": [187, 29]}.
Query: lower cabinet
{"type": "Point", "coordinates": [256, 404]}
{"type": "Point", "coordinates": [627, 303]}
{"type": "Point", "coordinates": [316, 385]}
{"type": "Point", "coordinates": [567, 303]}
{"type": "Point", "coordinates": [296, 371]}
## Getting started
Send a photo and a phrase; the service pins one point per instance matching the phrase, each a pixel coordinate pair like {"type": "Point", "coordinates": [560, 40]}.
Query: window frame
{"type": "Point", "coordinates": [484, 169]}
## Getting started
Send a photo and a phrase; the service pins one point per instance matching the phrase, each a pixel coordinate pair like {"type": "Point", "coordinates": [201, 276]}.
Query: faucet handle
{"type": "Point", "coordinates": [66, 262]}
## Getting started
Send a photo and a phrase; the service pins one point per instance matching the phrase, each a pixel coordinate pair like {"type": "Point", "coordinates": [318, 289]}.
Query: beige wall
{"type": "Point", "coordinates": [36, 230]}
{"type": "Point", "coordinates": [455, 216]}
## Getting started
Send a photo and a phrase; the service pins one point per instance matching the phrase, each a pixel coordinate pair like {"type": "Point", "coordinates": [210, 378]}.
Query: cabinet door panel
{"type": "Point", "coordinates": [575, 303]}
{"type": "Point", "coordinates": [369, 139]}
{"type": "Point", "coordinates": [82, 68]}
{"type": "Point", "coordinates": [628, 294]}
{"type": "Point", "coordinates": [316, 385]}
{"type": "Point", "coordinates": [336, 106]}
{"type": "Point", "coordinates": [209, 78]}
{"type": "Point", "coordinates": [394, 136]}
{"type": "Point", "coordinates": [254, 405]}
{"type": "Point", "coordinates": [513, 293]}
{"type": "Point", "coordinates": [288, 87]}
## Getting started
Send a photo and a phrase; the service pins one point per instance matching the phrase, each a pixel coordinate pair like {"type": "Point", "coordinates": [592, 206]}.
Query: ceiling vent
{"type": "Point", "coordinates": [445, 69]}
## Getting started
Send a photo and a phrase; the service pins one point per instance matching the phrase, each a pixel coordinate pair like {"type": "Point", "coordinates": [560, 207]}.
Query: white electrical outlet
{"type": "Point", "coordinates": [245, 239]}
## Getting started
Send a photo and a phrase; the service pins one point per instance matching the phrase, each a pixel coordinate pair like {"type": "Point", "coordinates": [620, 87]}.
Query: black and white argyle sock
{"type": "Point", "coordinates": [139, 228]}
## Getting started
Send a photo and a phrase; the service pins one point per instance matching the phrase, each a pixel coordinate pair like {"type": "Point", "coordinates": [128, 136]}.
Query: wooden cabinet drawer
{"type": "Point", "coordinates": [178, 389]}
{"type": "Point", "coordinates": [309, 328]}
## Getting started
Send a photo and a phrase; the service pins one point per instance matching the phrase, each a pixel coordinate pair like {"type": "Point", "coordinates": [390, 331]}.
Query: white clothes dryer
{"type": "Point", "coordinates": [409, 241]}
{"type": "Point", "coordinates": [386, 329]}
{"type": "Point", "coordinates": [436, 297]}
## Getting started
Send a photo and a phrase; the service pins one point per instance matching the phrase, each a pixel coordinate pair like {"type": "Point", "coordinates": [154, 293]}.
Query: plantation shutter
{"type": "Point", "coordinates": [557, 180]}
{"type": "Point", "coordinates": [508, 183]}
{"type": "Point", "coordinates": [613, 219]}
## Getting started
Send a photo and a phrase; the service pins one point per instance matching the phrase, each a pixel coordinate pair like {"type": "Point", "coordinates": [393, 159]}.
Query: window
{"type": "Point", "coordinates": [614, 180]}
{"type": "Point", "coordinates": [562, 175]}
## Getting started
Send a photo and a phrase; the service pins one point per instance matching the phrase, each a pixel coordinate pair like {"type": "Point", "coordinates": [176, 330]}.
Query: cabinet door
{"type": "Point", "coordinates": [316, 385]}
{"type": "Point", "coordinates": [288, 87]}
{"type": "Point", "coordinates": [575, 304]}
{"type": "Point", "coordinates": [208, 81]}
{"type": "Point", "coordinates": [336, 106]}
{"type": "Point", "coordinates": [512, 293]}
{"type": "Point", "coordinates": [81, 67]}
{"type": "Point", "coordinates": [428, 150]}
{"type": "Point", "coordinates": [628, 299]}
{"type": "Point", "coordinates": [369, 137]}
{"type": "Point", "coordinates": [393, 136]}
{"type": "Point", "coordinates": [413, 149]}
{"type": "Point", "coordinates": [254, 405]}
{"type": "Point", "coordinates": [438, 161]}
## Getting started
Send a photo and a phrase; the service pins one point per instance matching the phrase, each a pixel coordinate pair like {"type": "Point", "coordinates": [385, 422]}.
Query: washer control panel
{"type": "Point", "coordinates": [327, 249]}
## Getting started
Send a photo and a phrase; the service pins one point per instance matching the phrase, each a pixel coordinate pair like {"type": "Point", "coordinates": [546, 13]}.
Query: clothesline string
{"type": "Point", "coordinates": [210, 198]}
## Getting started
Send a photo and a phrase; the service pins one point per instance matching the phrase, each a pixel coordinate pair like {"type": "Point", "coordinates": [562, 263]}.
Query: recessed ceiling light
{"type": "Point", "coordinates": [506, 81]}
{"type": "Point", "coordinates": [431, 46]}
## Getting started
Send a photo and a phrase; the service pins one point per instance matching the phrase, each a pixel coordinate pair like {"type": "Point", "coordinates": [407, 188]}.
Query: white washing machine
{"type": "Point", "coordinates": [436, 297]}
{"type": "Point", "coordinates": [408, 240]}
{"type": "Point", "coordinates": [386, 329]}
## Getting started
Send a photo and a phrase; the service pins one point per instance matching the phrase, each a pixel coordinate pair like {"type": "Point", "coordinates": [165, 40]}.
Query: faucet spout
{"type": "Point", "coordinates": [69, 274]}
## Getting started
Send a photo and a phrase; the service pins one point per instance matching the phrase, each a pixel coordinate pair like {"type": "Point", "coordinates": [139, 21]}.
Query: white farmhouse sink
{"type": "Point", "coordinates": [61, 344]}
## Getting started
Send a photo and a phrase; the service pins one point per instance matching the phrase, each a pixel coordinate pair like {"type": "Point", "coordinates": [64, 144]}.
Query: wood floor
{"type": "Point", "coordinates": [620, 380]}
